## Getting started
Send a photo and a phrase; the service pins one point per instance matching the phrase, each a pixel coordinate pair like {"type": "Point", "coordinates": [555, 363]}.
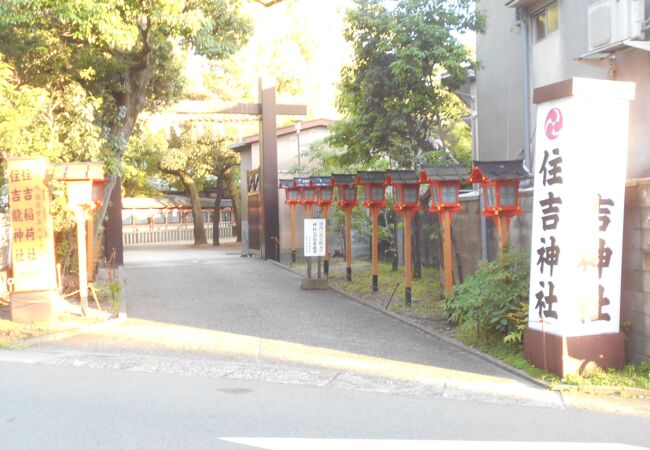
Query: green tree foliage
{"type": "Point", "coordinates": [191, 156]}
{"type": "Point", "coordinates": [226, 170]}
{"type": "Point", "coordinates": [396, 95]}
{"type": "Point", "coordinates": [122, 53]}
{"type": "Point", "coordinates": [493, 301]}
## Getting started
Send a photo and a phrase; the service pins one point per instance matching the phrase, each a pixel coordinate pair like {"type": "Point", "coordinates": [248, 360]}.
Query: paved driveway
{"type": "Point", "coordinates": [210, 304]}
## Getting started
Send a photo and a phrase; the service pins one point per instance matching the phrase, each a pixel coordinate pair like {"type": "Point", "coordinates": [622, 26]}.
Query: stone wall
{"type": "Point", "coordinates": [635, 284]}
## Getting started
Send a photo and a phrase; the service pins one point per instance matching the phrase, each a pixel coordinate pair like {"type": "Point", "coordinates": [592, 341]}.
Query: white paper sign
{"type": "Point", "coordinates": [580, 171]}
{"type": "Point", "coordinates": [314, 244]}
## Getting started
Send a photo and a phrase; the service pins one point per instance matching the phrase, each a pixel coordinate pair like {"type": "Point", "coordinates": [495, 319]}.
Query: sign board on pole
{"type": "Point", "coordinates": [315, 235]}
{"type": "Point", "coordinates": [31, 225]}
{"type": "Point", "coordinates": [578, 205]}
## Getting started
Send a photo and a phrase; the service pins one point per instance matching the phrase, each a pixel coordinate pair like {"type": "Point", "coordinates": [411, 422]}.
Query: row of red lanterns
{"type": "Point", "coordinates": [500, 194]}
{"type": "Point", "coordinates": [499, 184]}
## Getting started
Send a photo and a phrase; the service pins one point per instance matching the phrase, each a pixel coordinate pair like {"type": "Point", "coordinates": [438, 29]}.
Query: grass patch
{"type": "Point", "coordinates": [426, 298]}
{"type": "Point", "coordinates": [12, 333]}
{"type": "Point", "coordinates": [631, 376]}
{"type": "Point", "coordinates": [425, 291]}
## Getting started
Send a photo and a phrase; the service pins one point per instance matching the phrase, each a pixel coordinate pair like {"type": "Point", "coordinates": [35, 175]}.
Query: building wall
{"type": "Point", "coordinates": [287, 168]}
{"type": "Point", "coordinates": [554, 58]}
{"type": "Point", "coordinates": [499, 85]}
{"type": "Point", "coordinates": [635, 292]}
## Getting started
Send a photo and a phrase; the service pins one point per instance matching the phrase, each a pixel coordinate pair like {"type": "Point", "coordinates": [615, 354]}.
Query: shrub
{"type": "Point", "coordinates": [493, 301]}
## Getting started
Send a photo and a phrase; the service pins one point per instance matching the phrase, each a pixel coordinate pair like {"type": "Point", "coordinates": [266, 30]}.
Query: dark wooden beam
{"type": "Point", "coordinates": [269, 172]}
{"type": "Point", "coordinates": [246, 108]}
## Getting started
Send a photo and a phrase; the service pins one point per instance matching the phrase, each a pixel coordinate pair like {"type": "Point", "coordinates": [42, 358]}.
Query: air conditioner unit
{"type": "Point", "coordinates": [610, 22]}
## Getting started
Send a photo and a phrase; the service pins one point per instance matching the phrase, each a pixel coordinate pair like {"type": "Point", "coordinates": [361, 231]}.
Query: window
{"type": "Point", "coordinates": [205, 216]}
{"type": "Point", "coordinates": [489, 196]}
{"type": "Point", "coordinates": [293, 195]}
{"type": "Point", "coordinates": [173, 217]}
{"type": "Point", "coordinates": [308, 194]}
{"type": "Point", "coordinates": [507, 195]}
{"type": "Point", "coordinates": [411, 195]}
{"type": "Point", "coordinates": [225, 216]}
{"type": "Point", "coordinates": [141, 218]}
{"type": "Point", "coordinates": [326, 194]}
{"type": "Point", "coordinates": [435, 198]}
{"type": "Point", "coordinates": [449, 194]}
{"type": "Point", "coordinates": [127, 218]}
{"type": "Point", "coordinates": [546, 21]}
{"type": "Point", "coordinates": [159, 218]}
{"type": "Point", "coordinates": [377, 194]}
{"type": "Point", "coordinates": [351, 194]}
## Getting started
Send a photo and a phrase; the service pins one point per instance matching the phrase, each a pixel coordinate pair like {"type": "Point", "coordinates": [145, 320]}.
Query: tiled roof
{"type": "Point", "coordinates": [445, 173]}
{"type": "Point", "coordinates": [372, 176]}
{"type": "Point", "coordinates": [344, 178]}
{"type": "Point", "coordinates": [501, 170]}
{"type": "Point", "coordinates": [403, 176]}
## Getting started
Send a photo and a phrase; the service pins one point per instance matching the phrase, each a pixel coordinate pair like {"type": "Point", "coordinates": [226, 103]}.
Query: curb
{"type": "Point", "coordinates": [448, 340]}
{"type": "Point", "coordinates": [618, 391]}
{"type": "Point", "coordinates": [29, 342]}
{"type": "Point", "coordinates": [442, 337]}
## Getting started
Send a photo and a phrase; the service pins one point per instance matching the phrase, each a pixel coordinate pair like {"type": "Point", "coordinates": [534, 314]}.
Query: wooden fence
{"type": "Point", "coordinates": [140, 236]}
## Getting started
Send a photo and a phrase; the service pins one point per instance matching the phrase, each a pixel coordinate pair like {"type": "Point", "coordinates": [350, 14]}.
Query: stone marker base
{"type": "Point", "coordinates": [574, 354]}
{"type": "Point", "coordinates": [34, 306]}
{"type": "Point", "coordinates": [314, 284]}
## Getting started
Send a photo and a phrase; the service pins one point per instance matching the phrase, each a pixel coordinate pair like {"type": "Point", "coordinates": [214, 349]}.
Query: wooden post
{"type": "Point", "coordinates": [374, 212]}
{"type": "Point", "coordinates": [408, 261]}
{"type": "Point", "coordinates": [445, 217]}
{"type": "Point", "coordinates": [90, 247]}
{"type": "Point", "coordinates": [326, 260]}
{"type": "Point", "coordinates": [308, 215]}
{"type": "Point", "coordinates": [503, 231]}
{"type": "Point", "coordinates": [294, 234]}
{"type": "Point", "coordinates": [80, 216]}
{"type": "Point", "coordinates": [348, 243]}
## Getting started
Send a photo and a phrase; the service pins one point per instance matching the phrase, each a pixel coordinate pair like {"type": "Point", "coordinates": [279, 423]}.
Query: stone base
{"type": "Point", "coordinates": [574, 354]}
{"type": "Point", "coordinates": [309, 284]}
{"type": "Point", "coordinates": [34, 306]}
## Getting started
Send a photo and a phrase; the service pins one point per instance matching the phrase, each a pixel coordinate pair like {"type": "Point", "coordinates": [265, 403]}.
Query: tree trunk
{"type": "Point", "coordinates": [199, 229]}
{"type": "Point", "coordinates": [217, 212]}
{"type": "Point", "coordinates": [131, 101]}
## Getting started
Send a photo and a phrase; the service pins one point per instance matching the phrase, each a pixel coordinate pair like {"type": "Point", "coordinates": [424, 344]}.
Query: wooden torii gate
{"type": "Point", "coordinates": [267, 110]}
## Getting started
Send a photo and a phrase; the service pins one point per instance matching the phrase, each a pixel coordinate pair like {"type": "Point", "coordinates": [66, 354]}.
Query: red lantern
{"type": "Point", "coordinates": [406, 189]}
{"type": "Point", "coordinates": [323, 187]}
{"type": "Point", "coordinates": [292, 192]}
{"type": "Point", "coordinates": [347, 189]}
{"type": "Point", "coordinates": [444, 186]}
{"type": "Point", "coordinates": [500, 185]}
{"type": "Point", "coordinates": [374, 184]}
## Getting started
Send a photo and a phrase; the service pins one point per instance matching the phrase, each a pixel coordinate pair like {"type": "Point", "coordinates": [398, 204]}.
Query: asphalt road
{"type": "Point", "coordinates": [221, 351]}
{"type": "Point", "coordinates": [53, 407]}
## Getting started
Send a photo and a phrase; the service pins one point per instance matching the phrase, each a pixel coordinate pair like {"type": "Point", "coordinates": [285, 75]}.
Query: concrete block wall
{"type": "Point", "coordinates": [635, 283]}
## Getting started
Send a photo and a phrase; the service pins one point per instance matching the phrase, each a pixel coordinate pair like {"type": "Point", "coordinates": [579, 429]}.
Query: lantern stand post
{"type": "Point", "coordinates": [445, 219]}
{"type": "Point", "coordinates": [80, 217]}
{"type": "Point", "coordinates": [503, 230]}
{"type": "Point", "coordinates": [294, 239]}
{"type": "Point", "coordinates": [83, 186]}
{"type": "Point", "coordinates": [348, 243]}
{"type": "Point", "coordinates": [347, 190]}
{"type": "Point", "coordinates": [309, 214]}
{"type": "Point", "coordinates": [407, 217]}
{"type": "Point", "coordinates": [444, 188]}
{"type": "Point", "coordinates": [326, 260]}
{"type": "Point", "coordinates": [375, 199]}
{"type": "Point", "coordinates": [406, 190]}
{"type": "Point", "coordinates": [374, 212]}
